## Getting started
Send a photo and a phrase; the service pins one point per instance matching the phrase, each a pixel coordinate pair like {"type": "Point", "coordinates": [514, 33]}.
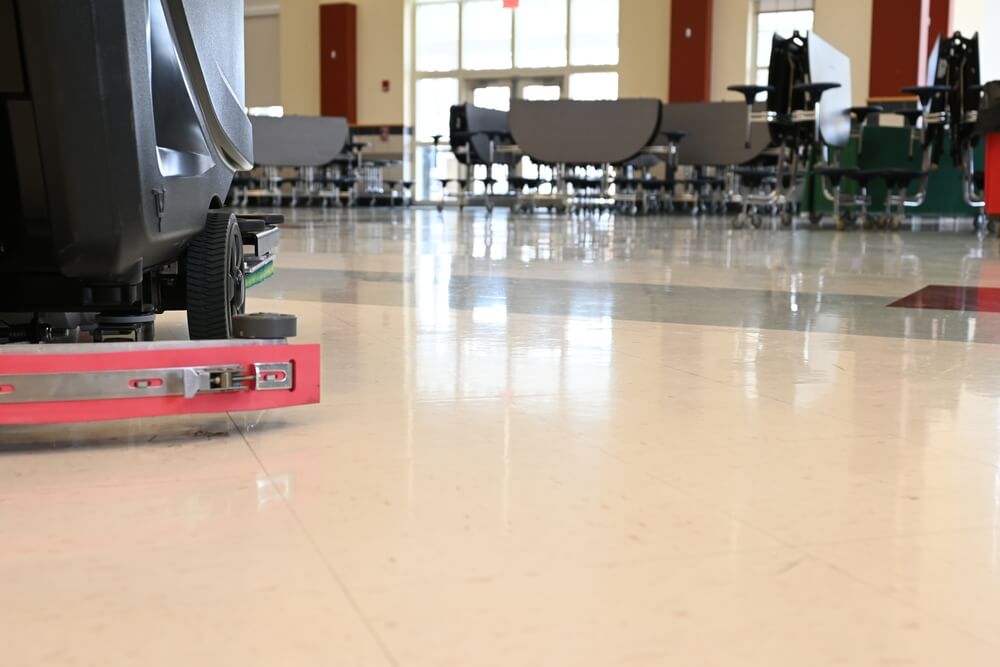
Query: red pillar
{"type": "Point", "coordinates": [690, 50]}
{"type": "Point", "coordinates": [899, 45]}
{"type": "Point", "coordinates": [338, 46]}
{"type": "Point", "coordinates": [942, 19]}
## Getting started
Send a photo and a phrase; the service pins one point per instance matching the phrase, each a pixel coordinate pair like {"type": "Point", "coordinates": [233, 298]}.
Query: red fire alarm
{"type": "Point", "coordinates": [385, 85]}
{"type": "Point", "coordinates": [510, 4]}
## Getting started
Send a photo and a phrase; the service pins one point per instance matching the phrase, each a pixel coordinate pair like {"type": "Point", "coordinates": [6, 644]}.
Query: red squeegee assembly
{"type": "Point", "coordinates": [53, 384]}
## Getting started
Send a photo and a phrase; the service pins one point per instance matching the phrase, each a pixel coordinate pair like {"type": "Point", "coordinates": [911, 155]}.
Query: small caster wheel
{"type": "Point", "coordinates": [740, 221]}
{"type": "Point", "coordinates": [147, 332]}
{"type": "Point", "coordinates": [840, 222]}
{"type": "Point", "coordinates": [786, 219]}
{"type": "Point", "coordinates": [895, 222]}
{"type": "Point", "coordinates": [633, 210]}
{"type": "Point", "coordinates": [978, 223]}
{"type": "Point", "coordinates": [265, 326]}
{"type": "Point", "coordinates": [489, 208]}
{"type": "Point", "coordinates": [991, 224]}
{"type": "Point", "coordinates": [868, 222]}
{"type": "Point", "coordinates": [815, 218]}
{"type": "Point", "coordinates": [756, 221]}
{"type": "Point", "coordinates": [439, 207]}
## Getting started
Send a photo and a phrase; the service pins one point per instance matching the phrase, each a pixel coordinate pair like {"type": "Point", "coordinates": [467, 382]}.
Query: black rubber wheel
{"type": "Point", "coordinates": [213, 268]}
{"type": "Point", "coordinates": [265, 325]}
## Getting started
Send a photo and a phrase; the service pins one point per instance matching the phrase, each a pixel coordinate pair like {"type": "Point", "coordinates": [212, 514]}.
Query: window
{"type": "Point", "coordinates": [541, 33]}
{"type": "Point", "coordinates": [782, 18]}
{"type": "Point", "coordinates": [593, 86]}
{"type": "Point", "coordinates": [492, 97]}
{"type": "Point", "coordinates": [435, 97]}
{"type": "Point", "coordinates": [540, 91]}
{"type": "Point", "coordinates": [478, 51]}
{"type": "Point", "coordinates": [437, 37]}
{"type": "Point", "coordinates": [486, 35]}
{"type": "Point", "coordinates": [593, 33]}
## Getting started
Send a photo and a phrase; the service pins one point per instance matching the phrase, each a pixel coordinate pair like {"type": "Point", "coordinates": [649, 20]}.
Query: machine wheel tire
{"type": "Point", "coordinates": [991, 224]}
{"type": "Point", "coordinates": [786, 219]}
{"type": "Point", "coordinates": [740, 221]}
{"type": "Point", "coordinates": [756, 221]}
{"type": "Point", "coordinates": [815, 218]}
{"type": "Point", "coordinates": [213, 268]}
{"type": "Point", "coordinates": [895, 222]}
{"type": "Point", "coordinates": [868, 222]}
{"type": "Point", "coordinates": [840, 222]}
{"type": "Point", "coordinates": [439, 207]}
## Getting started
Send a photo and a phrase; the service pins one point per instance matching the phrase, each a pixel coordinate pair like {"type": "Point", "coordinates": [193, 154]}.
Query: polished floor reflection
{"type": "Point", "coordinates": [548, 441]}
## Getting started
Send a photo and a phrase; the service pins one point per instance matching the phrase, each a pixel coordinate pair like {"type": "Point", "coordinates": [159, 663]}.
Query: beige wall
{"type": "Point", "coordinates": [299, 40]}
{"type": "Point", "coordinates": [263, 57]}
{"type": "Point", "coordinates": [730, 46]}
{"type": "Point", "coordinates": [644, 48]}
{"type": "Point", "coordinates": [847, 25]}
{"type": "Point", "coordinates": [380, 57]}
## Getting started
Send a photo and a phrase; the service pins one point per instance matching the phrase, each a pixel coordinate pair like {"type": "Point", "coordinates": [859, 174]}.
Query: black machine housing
{"type": "Point", "coordinates": [121, 124]}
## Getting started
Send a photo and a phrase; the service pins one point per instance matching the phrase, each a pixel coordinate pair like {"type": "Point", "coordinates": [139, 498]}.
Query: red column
{"type": "Point", "coordinates": [338, 50]}
{"type": "Point", "coordinates": [899, 45]}
{"type": "Point", "coordinates": [942, 15]}
{"type": "Point", "coordinates": [690, 50]}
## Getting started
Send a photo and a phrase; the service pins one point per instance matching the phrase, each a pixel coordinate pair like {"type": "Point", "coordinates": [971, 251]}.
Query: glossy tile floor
{"type": "Point", "coordinates": [548, 441]}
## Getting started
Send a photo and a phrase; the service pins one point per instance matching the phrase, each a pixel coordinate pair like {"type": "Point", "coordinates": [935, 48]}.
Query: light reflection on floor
{"type": "Point", "coordinates": [549, 441]}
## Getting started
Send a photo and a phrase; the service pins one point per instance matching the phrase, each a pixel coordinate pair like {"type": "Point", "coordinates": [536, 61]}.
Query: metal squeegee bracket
{"type": "Point", "coordinates": [76, 383]}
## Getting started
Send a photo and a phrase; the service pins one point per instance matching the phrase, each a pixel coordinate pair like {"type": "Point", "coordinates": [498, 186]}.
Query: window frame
{"type": "Point", "coordinates": [755, 67]}
{"type": "Point", "coordinates": [468, 78]}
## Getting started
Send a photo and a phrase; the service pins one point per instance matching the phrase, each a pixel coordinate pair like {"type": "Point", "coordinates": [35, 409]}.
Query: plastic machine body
{"type": "Point", "coordinates": [109, 167]}
{"type": "Point", "coordinates": [121, 125]}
